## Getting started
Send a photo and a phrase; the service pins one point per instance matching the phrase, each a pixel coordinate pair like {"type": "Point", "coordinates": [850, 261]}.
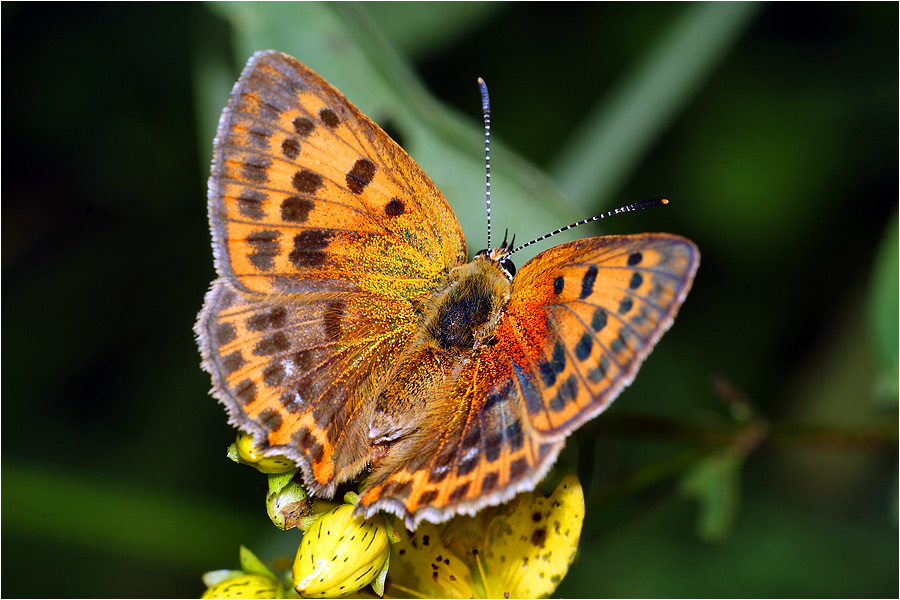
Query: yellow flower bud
{"type": "Point", "coordinates": [244, 586]}
{"type": "Point", "coordinates": [340, 554]}
{"type": "Point", "coordinates": [251, 454]}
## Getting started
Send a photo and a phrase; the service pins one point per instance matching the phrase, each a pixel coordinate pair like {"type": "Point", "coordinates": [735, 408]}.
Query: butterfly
{"type": "Point", "coordinates": [348, 331]}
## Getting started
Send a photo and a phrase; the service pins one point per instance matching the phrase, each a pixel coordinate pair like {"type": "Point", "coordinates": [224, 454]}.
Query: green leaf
{"type": "Point", "coordinates": [715, 484]}
{"type": "Point", "coordinates": [232, 453]}
{"type": "Point", "coordinates": [883, 309]}
{"type": "Point", "coordinates": [378, 583]}
{"type": "Point", "coordinates": [277, 481]}
{"type": "Point", "coordinates": [251, 564]}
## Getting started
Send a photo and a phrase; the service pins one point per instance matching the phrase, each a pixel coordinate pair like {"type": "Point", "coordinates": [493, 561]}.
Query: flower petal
{"type": "Point", "coordinates": [420, 562]}
{"type": "Point", "coordinates": [531, 545]}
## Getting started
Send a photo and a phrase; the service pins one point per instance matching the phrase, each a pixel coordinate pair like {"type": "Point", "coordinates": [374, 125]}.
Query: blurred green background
{"type": "Point", "coordinates": [756, 452]}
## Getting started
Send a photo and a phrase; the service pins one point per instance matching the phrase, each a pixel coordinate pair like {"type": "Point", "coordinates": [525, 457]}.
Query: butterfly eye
{"type": "Point", "coordinates": [508, 267]}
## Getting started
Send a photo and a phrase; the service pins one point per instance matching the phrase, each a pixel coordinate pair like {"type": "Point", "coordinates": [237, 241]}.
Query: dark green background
{"type": "Point", "coordinates": [772, 129]}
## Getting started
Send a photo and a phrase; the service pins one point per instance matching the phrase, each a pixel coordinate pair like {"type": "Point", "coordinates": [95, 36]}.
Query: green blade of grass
{"type": "Point", "coordinates": [613, 138]}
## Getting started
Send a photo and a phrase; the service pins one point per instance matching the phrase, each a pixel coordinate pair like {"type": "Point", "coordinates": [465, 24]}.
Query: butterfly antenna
{"type": "Point", "coordinates": [622, 209]}
{"type": "Point", "coordinates": [486, 111]}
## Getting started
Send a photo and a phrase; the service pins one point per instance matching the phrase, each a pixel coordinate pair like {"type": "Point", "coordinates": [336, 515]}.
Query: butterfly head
{"type": "Point", "coordinates": [500, 255]}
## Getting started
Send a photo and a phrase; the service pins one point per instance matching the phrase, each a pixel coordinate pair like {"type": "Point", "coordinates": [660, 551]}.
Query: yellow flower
{"type": "Point", "coordinates": [519, 550]}
{"type": "Point", "coordinates": [246, 451]}
{"type": "Point", "coordinates": [340, 554]}
{"type": "Point", "coordinates": [424, 567]}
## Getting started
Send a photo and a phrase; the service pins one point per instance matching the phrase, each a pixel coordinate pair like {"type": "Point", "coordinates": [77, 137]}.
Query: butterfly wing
{"type": "Point", "coordinates": [587, 313]}
{"type": "Point", "coordinates": [297, 370]}
{"type": "Point", "coordinates": [581, 318]}
{"type": "Point", "coordinates": [326, 236]}
{"type": "Point", "coordinates": [305, 187]}
{"type": "Point", "coordinates": [476, 448]}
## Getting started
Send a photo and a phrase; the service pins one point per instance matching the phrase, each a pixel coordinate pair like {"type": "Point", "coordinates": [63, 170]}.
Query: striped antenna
{"type": "Point", "coordinates": [486, 111]}
{"type": "Point", "coordinates": [623, 209]}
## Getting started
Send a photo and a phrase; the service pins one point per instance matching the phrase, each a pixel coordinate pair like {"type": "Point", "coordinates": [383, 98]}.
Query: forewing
{"type": "Point", "coordinates": [306, 187]}
{"type": "Point", "coordinates": [584, 315]}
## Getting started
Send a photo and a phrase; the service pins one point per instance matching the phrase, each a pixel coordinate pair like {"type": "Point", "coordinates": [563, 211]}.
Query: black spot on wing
{"type": "Point", "coordinates": [225, 333]}
{"type": "Point", "coordinates": [233, 362]}
{"type": "Point", "coordinates": [303, 126]}
{"type": "Point", "coordinates": [558, 284]}
{"type": "Point", "coordinates": [583, 347]}
{"type": "Point", "coordinates": [306, 181]}
{"type": "Point", "coordinates": [360, 175]}
{"type": "Point", "coordinates": [256, 169]}
{"type": "Point", "coordinates": [290, 148]}
{"type": "Point", "coordinates": [250, 203]}
{"type": "Point", "coordinates": [296, 210]}
{"type": "Point", "coordinates": [269, 319]}
{"type": "Point", "coordinates": [556, 364]}
{"type": "Point", "coordinates": [587, 282]}
{"type": "Point", "coordinates": [309, 248]}
{"type": "Point", "coordinates": [265, 247]}
{"type": "Point", "coordinates": [395, 207]}
{"type": "Point", "coordinates": [328, 117]}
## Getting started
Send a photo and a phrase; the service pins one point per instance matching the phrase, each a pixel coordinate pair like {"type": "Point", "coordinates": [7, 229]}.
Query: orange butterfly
{"type": "Point", "coordinates": [347, 329]}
